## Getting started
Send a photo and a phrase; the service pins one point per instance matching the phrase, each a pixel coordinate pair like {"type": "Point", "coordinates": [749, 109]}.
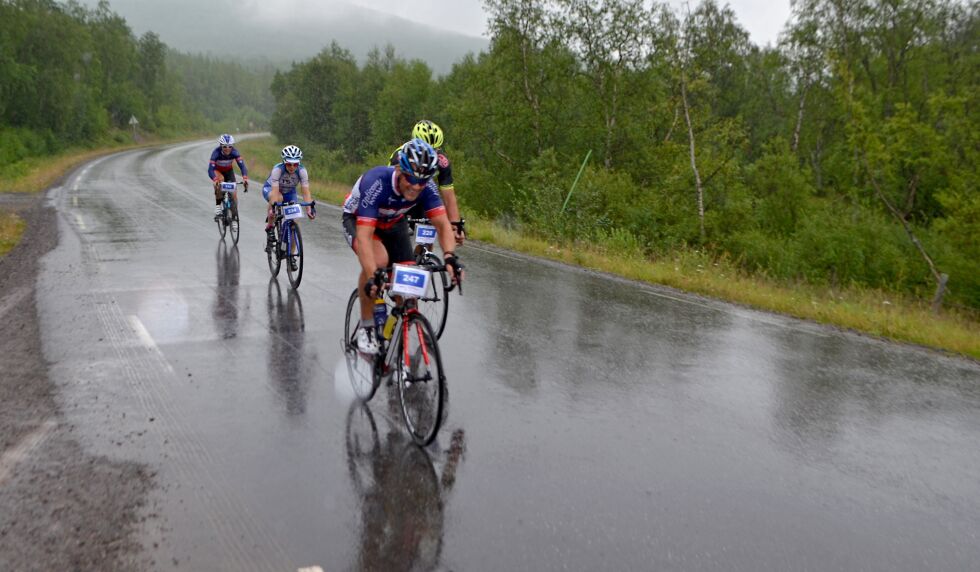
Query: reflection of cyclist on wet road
{"type": "Point", "coordinates": [402, 497]}
{"type": "Point", "coordinates": [286, 362]}
{"type": "Point", "coordinates": [225, 309]}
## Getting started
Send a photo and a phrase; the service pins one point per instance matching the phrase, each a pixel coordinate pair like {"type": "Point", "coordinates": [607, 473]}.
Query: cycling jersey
{"type": "Point", "coordinates": [376, 202]}
{"type": "Point", "coordinates": [288, 182]}
{"type": "Point", "coordinates": [444, 174]}
{"type": "Point", "coordinates": [224, 163]}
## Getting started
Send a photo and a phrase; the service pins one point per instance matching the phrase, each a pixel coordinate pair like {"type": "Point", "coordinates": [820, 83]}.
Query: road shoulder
{"type": "Point", "coordinates": [61, 508]}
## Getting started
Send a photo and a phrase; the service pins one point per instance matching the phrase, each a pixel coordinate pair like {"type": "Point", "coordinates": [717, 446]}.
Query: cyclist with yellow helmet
{"type": "Point", "coordinates": [432, 134]}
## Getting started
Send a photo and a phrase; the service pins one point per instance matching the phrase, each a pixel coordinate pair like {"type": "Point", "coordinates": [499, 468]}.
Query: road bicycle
{"type": "Point", "coordinates": [435, 302]}
{"type": "Point", "coordinates": [408, 354]}
{"type": "Point", "coordinates": [228, 220]}
{"type": "Point", "coordinates": [288, 243]}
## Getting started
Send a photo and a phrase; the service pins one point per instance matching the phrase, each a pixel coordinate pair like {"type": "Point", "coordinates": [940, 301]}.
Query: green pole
{"type": "Point", "coordinates": [580, 169]}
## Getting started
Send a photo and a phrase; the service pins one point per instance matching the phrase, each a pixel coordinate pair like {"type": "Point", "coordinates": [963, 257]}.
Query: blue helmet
{"type": "Point", "coordinates": [226, 139]}
{"type": "Point", "coordinates": [419, 159]}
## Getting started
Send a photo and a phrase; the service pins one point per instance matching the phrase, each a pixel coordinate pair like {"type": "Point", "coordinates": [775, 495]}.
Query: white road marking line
{"type": "Point", "coordinates": [18, 453]}
{"type": "Point", "coordinates": [10, 300]}
{"type": "Point", "coordinates": [144, 335]}
{"type": "Point", "coordinates": [79, 221]}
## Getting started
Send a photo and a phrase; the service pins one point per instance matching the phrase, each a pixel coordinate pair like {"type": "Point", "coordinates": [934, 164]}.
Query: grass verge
{"type": "Point", "coordinates": [877, 313]}
{"type": "Point", "coordinates": [37, 174]}
{"type": "Point", "coordinates": [11, 228]}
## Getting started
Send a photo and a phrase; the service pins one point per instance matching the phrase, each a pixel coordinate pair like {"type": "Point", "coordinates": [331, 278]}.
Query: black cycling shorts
{"type": "Point", "coordinates": [397, 240]}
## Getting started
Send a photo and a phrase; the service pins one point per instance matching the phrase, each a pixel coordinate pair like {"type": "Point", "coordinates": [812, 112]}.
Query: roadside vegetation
{"type": "Point", "coordinates": [842, 160]}
{"type": "Point", "coordinates": [11, 227]}
{"type": "Point", "coordinates": [881, 313]}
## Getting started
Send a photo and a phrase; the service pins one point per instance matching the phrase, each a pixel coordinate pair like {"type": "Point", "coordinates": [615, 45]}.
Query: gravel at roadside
{"type": "Point", "coordinates": [61, 508]}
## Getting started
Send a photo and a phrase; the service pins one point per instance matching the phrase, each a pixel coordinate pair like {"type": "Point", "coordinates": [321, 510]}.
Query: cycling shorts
{"type": "Point", "coordinates": [290, 197]}
{"type": "Point", "coordinates": [397, 240]}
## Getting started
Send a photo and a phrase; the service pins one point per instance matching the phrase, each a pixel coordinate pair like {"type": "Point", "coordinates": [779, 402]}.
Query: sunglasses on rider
{"type": "Point", "coordinates": [415, 181]}
{"type": "Point", "coordinates": [226, 146]}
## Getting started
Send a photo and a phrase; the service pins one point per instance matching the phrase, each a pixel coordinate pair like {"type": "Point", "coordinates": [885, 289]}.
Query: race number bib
{"type": "Point", "coordinates": [290, 212]}
{"type": "Point", "coordinates": [425, 234]}
{"type": "Point", "coordinates": [409, 281]}
{"type": "Point", "coordinates": [228, 187]}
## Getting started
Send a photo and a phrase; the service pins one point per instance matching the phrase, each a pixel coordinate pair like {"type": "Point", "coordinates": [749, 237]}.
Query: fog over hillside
{"type": "Point", "coordinates": [284, 32]}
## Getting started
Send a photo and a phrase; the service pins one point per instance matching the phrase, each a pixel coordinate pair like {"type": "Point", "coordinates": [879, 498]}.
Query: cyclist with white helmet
{"type": "Point", "coordinates": [375, 226]}
{"type": "Point", "coordinates": [281, 186]}
{"type": "Point", "coordinates": [222, 168]}
{"type": "Point", "coordinates": [432, 134]}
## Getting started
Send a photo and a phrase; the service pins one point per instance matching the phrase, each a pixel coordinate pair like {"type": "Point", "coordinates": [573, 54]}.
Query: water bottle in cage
{"type": "Point", "coordinates": [380, 313]}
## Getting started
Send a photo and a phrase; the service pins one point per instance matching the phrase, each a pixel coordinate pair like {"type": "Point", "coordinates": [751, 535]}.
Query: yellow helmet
{"type": "Point", "coordinates": [429, 132]}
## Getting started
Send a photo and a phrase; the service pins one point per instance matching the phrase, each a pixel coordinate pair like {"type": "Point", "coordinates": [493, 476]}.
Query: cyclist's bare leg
{"type": "Point", "coordinates": [381, 258]}
{"type": "Point", "coordinates": [274, 197]}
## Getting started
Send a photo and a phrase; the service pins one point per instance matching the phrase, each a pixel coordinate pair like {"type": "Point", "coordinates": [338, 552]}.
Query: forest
{"type": "Point", "coordinates": [73, 77]}
{"type": "Point", "coordinates": [847, 154]}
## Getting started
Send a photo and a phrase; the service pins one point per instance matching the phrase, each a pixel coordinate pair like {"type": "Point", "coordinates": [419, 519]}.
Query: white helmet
{"type": "Point", "coordinates": [291, 154]}
{"type": "Point", "coordinates": [226, 140]}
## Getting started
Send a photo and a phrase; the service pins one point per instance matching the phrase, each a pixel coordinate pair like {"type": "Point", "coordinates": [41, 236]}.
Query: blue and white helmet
{"type": "Point", "coordinates": [291, 154]}
{"type": "Point", "coordinates": [419, 159]}
{"type": "Point", "coordinates": [226, 140]}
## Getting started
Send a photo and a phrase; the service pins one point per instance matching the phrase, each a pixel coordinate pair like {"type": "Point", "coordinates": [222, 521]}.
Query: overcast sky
{"type": "Point", "coordinates": [764, 19]}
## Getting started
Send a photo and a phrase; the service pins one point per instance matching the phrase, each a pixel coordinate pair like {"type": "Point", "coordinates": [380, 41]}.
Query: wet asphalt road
{"type": "Point", "coordinates": [594, 424]}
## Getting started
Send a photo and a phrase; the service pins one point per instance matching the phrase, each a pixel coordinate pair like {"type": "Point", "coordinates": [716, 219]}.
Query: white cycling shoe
{"type": "Point", "coordinates": [365, 341]}
{"type": "Point", "coordinates": [218, 211]}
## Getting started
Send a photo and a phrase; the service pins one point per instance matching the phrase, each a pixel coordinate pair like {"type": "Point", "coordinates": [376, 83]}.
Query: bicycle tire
{"type": "Point", "coordinates": [352, 320]}
{"type": "Point", "coordinates": [435, 303]}
{"type": "Point", "coordinates": [273, 255]}
{"type": "Point", "coordinates": [222, 225]}
{"type": "Point", "coordinates": [235, 228]}
{"type": "Point", "coordinates": [421, 387]}
{"type": "Point", "coordinates": [363, 391]}
{"type": "Point", "coordinates": [295, 239]}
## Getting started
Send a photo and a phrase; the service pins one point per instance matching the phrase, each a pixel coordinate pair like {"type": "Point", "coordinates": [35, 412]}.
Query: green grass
{"type": "Point", "coordinates": [11, 229]}
{"type": "Point", "coordinates": [37, 174]}
{"type": "Point", "coordinates": [883, 314]}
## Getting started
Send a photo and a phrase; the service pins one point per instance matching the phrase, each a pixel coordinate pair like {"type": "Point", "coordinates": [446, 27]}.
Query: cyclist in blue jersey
{"type": "Point", "coordinates": [375, 226]}
{"type": "Point", "coordinates": [281, 186]}
{"type": "Point", "coordinates": [432, 134]}
{"type": "Point", "coordinates": [222, 168]}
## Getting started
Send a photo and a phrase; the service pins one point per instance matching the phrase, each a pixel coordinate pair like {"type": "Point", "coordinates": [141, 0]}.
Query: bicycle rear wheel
{"type": "Point", "coordinates": [435, 303]}
{"type": "Point", "coordinates": [420, 379]}
{"type": "Point", "coordinates": [294, 255]}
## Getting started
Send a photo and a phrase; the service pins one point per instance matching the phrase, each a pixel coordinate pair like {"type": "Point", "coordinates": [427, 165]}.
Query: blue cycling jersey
{"type": "Point", "coordinates": [376, 201]}
{"type": "Point", "coordinates": [224, 163]}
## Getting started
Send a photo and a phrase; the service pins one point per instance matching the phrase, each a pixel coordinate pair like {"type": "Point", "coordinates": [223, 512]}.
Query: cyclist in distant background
{"type": "Point", "coordinates": [375, 227]}
{"type": "Point", "coordinates": [432, 134]}
{"type": "Point", "coordinates": [221, 168]}
{"type": "Point", "coordinates": [281, 186]}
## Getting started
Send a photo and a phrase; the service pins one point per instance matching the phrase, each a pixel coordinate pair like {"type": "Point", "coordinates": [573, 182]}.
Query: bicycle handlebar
{"type": "Point", "coordinates": [300, 203]}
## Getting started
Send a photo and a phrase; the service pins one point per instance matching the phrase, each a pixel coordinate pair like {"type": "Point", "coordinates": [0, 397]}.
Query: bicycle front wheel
{"type": "Point", "coordinates": [420, 379]}
{"type": "Point", "coordinates": [234, 228]}
{"type": "Point", "coordinates": [435, 302]}
{"type": "Point", "coordinates": [223, 224]}
{"type": "Point", "coordinates": [273, 255]}
{"type": "Point", "coordinates": [294, 255]}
